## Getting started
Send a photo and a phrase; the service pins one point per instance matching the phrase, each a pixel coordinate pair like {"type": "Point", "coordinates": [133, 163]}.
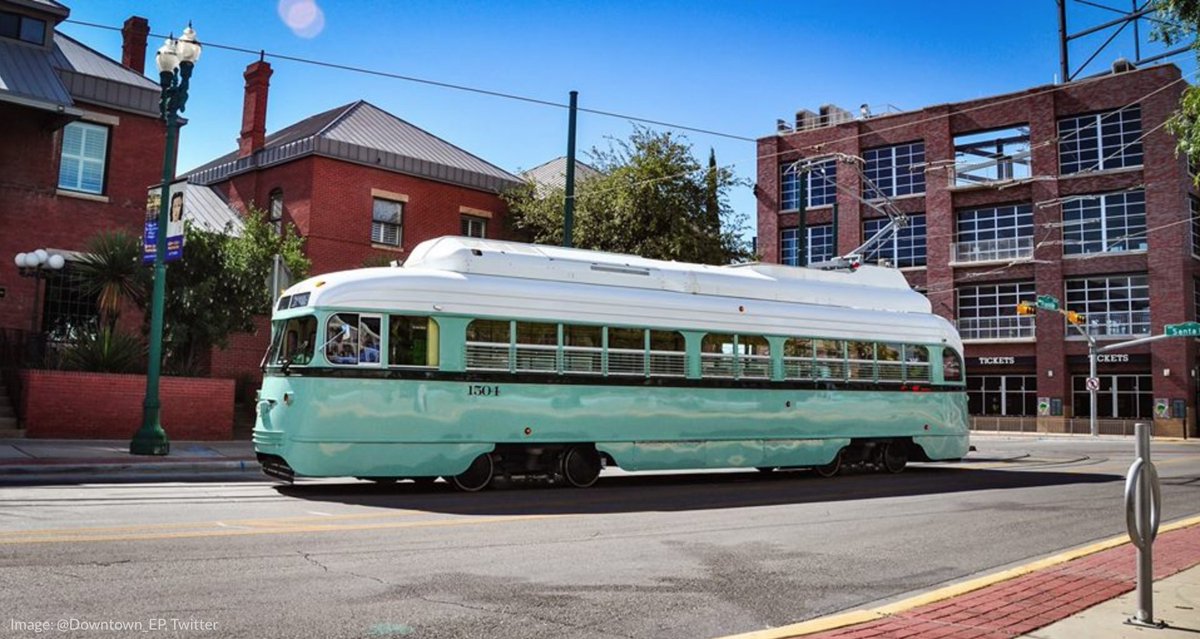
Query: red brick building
{"type": "Point", "coordinates": [82, 141]}
{"type": "Point", "coordinates": [1071, 190]}
{"type": "Point", "coordinates": [361, 185]}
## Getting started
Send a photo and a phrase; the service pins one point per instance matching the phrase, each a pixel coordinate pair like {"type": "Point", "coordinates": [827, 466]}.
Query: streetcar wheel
{"type": "Point", "coordinates": [832, 468]}
{"type": "Point", "coordinates": [581, 466]}
{"type": "Point", "coordinates": [476, 477]}
{"type": "Point", "coordinates": [895, 458]}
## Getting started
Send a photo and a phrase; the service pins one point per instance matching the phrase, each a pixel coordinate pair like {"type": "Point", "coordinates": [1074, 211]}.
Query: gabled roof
{"type": "Point", "coordinates": [363, 133]}
{"type": "Point", "coordinates": [553, 174]}
{"type": "Point", "coordinates": [54, 79]}
{"type": "Point", "coordinates": [204, 207]}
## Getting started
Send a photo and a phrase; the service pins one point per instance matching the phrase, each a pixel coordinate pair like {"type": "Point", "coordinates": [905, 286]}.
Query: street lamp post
{"type": "Point", "coordinates": [37, 264]}
{"type": "Point", "coordinates": [175, 59]}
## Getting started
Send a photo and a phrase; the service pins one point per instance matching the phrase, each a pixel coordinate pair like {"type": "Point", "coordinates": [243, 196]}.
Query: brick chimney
{"type": "Point", "coordinates": [254, 108]}
{"type": "Point", "coordinates": [133, 43]}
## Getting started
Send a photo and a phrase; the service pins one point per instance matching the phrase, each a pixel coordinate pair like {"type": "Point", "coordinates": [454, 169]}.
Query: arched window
{"type": "Point", "coordinates": [275, 211]}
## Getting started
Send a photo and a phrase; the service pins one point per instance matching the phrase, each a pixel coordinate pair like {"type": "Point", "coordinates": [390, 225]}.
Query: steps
{"type": "Point", "coordinates": [8, 419]}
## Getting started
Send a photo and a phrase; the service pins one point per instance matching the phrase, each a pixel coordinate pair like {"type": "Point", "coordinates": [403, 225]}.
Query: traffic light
{"type": "Point", "coordinates": [1074, 317]}
{"type": "Point", "coordinates": [1026, 308]}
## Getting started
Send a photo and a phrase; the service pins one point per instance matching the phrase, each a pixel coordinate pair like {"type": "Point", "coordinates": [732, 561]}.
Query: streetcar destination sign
{"type": "Point", "coordinates": [1186, 329]}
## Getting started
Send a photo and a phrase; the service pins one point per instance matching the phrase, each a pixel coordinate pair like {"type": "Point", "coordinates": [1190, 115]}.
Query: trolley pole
{"type": "Point", "coordinates": [1143, 508]}
{"type": "Point", "coordinates": [569, 201]}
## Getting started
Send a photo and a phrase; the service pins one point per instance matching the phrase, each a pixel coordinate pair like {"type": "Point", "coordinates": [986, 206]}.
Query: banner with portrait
{"type": "Point", "coordinates": [174, 223]}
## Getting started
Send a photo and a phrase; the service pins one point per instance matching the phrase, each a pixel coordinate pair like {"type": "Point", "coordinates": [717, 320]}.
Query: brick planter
{"type": "Point", "coordinates": [73, 405]}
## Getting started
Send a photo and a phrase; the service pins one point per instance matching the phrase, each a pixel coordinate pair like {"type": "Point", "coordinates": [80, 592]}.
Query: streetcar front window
{"type": "Point", "coordinates": [295, 342]}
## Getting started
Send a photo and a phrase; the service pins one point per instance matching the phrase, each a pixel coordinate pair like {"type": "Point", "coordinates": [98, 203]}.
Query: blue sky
{"type": "Point", "coordinates": [731, 66]}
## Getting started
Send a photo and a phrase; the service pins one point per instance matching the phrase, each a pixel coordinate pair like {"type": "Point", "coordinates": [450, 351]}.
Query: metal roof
{"type": "Point", "coordinates": [363, 133]}
{"type": "Point", "coordinates": [54, 79]}
{"type": "Point", "coordinates": [204, 207]}
{"type": "Point", "coordinates": [553, 174]}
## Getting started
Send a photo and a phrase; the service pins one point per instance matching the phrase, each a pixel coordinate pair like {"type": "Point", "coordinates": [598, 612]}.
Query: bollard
{"type": "Point", "coordinates": [1143, 508]}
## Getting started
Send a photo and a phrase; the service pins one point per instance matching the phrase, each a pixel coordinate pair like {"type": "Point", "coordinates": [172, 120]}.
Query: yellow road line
{"type": "Point", "coordinates": [233, 532]}
{"type": "Point", "coordinates": [854, 617]}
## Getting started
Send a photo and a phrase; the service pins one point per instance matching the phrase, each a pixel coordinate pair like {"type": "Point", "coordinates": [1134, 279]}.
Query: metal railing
{"type": "Point", "coordinates": [1069, 426]}
{"type": "Point", "coordinates": [1119, 324]}
{"type": "Point", "coordinates": [1014, 327]}
{"type": "Point", "coordinates": [1014, 248]}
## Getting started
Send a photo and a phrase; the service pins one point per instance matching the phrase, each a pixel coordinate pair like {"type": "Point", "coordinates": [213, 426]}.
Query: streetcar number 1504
{"type": "Point", "coordinates": [479, 390]}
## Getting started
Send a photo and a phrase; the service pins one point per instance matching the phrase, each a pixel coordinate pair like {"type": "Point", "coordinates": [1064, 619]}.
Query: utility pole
{"type": "Point", "coordinates": [569, 201]}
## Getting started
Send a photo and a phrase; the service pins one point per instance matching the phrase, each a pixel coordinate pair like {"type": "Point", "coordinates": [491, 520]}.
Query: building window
{"type": "Point", "coordinates": [1007, 395]}
{"type": "Point", "coordinates": [24, 28]}
{"type": "Point", "coordinates": [386, 219]}
{"type": "Point", "coordinates": [1113, 223]}
{"type": "Point", "coordinates": [820, 244]}
{"type": "Point", "coordinates": [1113, 305]}
{"type": "Point", "coordinates": [892, 171]}
{"type": "Point", "coordinates": [995, 233]}
{"type": "Point", "coordinates": [789, 186]}
{"type": "Point", "coordinates": [822, 183]}
{"type": "Point", "coordinates": [991, 156]}
{"type": "Point", "coordinates": [275, 211]}
{"type": "Point", "coordinates": [1194, 202]}
{"type": "Point", "coordinates": [84, 152]}
{"type": "Point", "coordinates": [904, 248]}
{"type": "Point", "coordinates": [474, 226]}
{"type": "Point", "coordinates": [989, 311]}
{"type": "Point", "coordinates": [1100, 141]}
{"type": "Point", "coordinates": [1120, 396]}
{"type": "Point", "coordinates": [69, 311]}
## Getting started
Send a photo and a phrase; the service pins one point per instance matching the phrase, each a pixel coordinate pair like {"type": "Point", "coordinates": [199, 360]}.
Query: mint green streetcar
{"type": "Point", "coordinates": [479, 359]}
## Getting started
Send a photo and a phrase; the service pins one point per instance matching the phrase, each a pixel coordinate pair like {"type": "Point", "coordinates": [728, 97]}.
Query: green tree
{"type": "Point", "coordinates": [1181, 23]}
{"type": "Point", "coordinates": [221, 284]}
{"type": "Point", "coordinates": [651, 198]}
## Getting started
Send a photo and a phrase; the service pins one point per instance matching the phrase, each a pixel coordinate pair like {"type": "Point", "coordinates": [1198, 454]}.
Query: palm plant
{"type": "Point", "coordinates": [111, 270]}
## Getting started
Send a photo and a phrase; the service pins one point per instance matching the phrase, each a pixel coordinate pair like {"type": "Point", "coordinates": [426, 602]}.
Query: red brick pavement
{"type": "Point", "coordinates": [1026, 603]}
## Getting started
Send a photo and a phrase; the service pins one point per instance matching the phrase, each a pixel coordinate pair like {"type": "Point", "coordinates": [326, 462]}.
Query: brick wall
{"type": "Point", "coordinates": [73, 405]}
{"type": "Point", "coordinates": [33, 214]}
{"type": "Point", "coordinates": [1169, 262]}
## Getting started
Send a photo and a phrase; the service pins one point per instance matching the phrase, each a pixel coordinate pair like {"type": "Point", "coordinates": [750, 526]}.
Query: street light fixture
{"type": "Point", "coordinates": [38, 265]}
{"type": "Point", "coordinates": [175, 60]}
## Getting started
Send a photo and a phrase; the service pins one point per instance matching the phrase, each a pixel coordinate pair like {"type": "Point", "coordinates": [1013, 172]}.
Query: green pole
{"type": "Point", "coordinates": [802, 229]}
{"type": "Point", "coordinates": [151, 439]}
{"type": "Point", "coordinates": [569, 201]}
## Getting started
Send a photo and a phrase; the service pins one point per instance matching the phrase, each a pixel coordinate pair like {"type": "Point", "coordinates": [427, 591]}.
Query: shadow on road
{"type": "Point", "coordinates": [683, 492]}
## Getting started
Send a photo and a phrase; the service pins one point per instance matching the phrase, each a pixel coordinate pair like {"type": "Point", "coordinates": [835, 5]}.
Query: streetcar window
{"type": "Point", "coordinates": [830, 359]}
{"type": "Point", "coordinates": [861, 356]}
{"type": "Point", "coordinates": [716, 356]}
{"type": "Point", "coordinates": [951, 366]}
{"type": "Point", "coordinates": [668, 354]}
{"type": "Point", "coordinates": [626, 351]}
{"type": "Point", "coordinates": [487, 344]}
{"type": "Point", "coordinates": [754, 356]}
{"type": "Point", "coordinates": [582, 349]}
{"type": "Point", "coordinates": [916, 363]}
{"type": "Point", "coordinates": [891, 368]}
{"type": "Point", "coordinates": [341, 339]}
{"type": "Point", "coordinates": [370, 331]}
{"type": "Point", "coordinates": [296, 341]}
{"type": "Point", "coordinates": [412, 341]}
{"type": "Point", "coordinates": [537, 347]}
{"type": "Point", "coordinates": [798, 358]}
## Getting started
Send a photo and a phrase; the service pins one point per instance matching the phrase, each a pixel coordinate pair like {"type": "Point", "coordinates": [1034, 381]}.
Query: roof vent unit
{"type": "Point", "coordinates": [833, 115]}
{"type": "Point", "coordinates": [781, 126]}
{"type": "Point", "coordinates": [1121, 65]}
{"type": "Point", "coordinates": [806, 120]}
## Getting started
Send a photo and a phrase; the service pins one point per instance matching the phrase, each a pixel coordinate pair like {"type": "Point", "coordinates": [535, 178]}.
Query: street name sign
{"type": "Point", "coordinates": [1047, 302]}
{"type": "Point", "coordinates": [1186, 329]}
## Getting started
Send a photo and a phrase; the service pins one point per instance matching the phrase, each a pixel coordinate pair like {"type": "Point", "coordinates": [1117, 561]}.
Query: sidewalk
{"type": "Point", "coordinates": [1084, 593]}
{"type": "Point", "coordinates": [23, 458]}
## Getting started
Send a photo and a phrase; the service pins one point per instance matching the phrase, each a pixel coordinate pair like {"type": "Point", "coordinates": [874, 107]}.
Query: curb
{"type": "Point", "coordinates": [864, 615]}
{"type": "Point", "coordinates": [27, 470]}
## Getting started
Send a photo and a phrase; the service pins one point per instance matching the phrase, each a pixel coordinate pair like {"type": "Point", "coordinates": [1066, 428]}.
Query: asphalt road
{"type": "Point", "coordinates": [648, 555]}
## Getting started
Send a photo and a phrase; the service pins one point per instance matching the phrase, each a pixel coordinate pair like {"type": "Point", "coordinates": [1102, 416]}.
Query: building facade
{"type": "Point", "coordinates": [82, 140]}
{"type": "Point", "coordinates": [1071, 190]}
